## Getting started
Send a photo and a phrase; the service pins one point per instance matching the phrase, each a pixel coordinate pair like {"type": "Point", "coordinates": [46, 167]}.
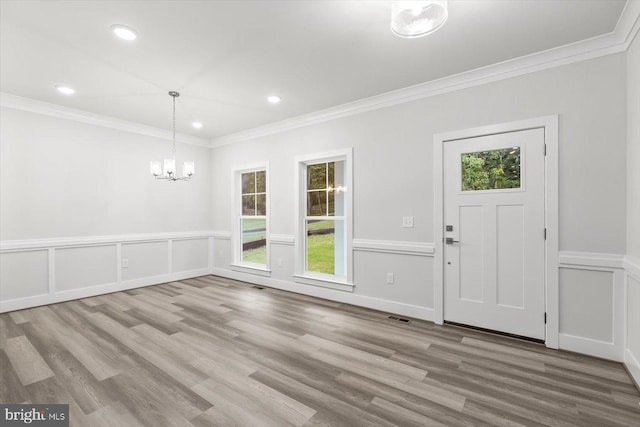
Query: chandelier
{"type": "Point", "coordinates": [167, 170]}
{"type": "Point", "coordinates": [411, 19]}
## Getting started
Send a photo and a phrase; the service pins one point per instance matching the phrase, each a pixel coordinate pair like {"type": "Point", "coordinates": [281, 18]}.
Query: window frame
{"type": "Point", "coordinates": [301, 274]}
{"type": "Point", "coordinates": [238, 264]}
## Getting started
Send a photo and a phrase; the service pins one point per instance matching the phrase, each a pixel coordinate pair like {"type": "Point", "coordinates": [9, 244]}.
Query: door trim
{"type": "Point", "coordinates": [550, 126]}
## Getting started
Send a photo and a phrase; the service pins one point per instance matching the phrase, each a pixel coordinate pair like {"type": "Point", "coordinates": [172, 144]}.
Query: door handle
{"type": "Point", "coordinates": [450, 241]}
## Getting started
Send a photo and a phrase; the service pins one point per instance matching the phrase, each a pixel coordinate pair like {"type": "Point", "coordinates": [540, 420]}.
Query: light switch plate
{"type": "Point", "coordinates": [125, 262]}
{"type": "Point", "coordinates": [407, 221]}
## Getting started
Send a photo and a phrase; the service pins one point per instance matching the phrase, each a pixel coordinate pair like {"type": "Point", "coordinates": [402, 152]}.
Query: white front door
{"type": "Point", "coordinates": [494, 252]}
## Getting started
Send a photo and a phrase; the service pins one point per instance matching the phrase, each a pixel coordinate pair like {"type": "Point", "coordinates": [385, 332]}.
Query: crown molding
{"type": "Point", "coordinates": [629, 23]}
{"type": "Point", "coordinates": [616, 41]}
{"type": "Point", "coordinates": [34, 106]}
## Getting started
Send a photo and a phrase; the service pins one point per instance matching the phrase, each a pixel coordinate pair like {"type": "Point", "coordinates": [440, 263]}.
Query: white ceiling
{"type": "Point", "coordinates": [225, 57]}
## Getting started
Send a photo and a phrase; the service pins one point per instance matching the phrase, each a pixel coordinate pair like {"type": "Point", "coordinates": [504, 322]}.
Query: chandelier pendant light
{"type": "Point", "coordinates": [167, 169]}
{"type": "Point", "coordinates": [411, 19]}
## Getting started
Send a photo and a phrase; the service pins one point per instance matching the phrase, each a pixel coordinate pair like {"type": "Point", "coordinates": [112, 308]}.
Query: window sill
{"type": "Point", "coordinates": [245, 268]}
{"type": "Point", "coordinates": [337, 284]}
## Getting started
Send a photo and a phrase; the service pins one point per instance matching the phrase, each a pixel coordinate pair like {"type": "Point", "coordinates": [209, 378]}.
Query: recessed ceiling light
{"type": "Point", "coordinates": [196, 125]}
{"type": "Point", "coordinates": [65, 90]}
{"type": "Point", "coordinates": [274, 99]}
{"type": "Point", "coordinates": [124, 32]}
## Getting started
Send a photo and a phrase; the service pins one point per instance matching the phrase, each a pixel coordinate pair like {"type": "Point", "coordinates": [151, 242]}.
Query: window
{"type": "Point", "coordinates": [325, 219]}
{"type": "Point", "coordinates": [491, 170]}
{"type": "Point", "coordinates": [252, 226]}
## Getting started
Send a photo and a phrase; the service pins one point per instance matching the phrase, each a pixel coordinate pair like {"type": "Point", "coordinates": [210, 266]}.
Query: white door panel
{"type": "Point", "coordinates": [494, 268]}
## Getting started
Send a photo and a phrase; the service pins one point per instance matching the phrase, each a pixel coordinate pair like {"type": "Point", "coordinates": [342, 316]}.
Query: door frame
{"type": "Point", "coordinates": [550, 126]}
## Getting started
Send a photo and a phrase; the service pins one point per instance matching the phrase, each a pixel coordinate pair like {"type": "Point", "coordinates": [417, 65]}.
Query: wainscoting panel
{"type": "Point", "coordinates": [586, 301]}
{"type": "Point", "coordinates": [412, 276]}
{"type": "Point", "coordinates": [632, 351]}
{"type": "Point", "coordinates": [282, 259]}
{"type": "Point", "coordinates": [191, 254]}
{"type": "Point", "coordinates": [23, 274]}
{"type": "Point", "coordinates": [223, 256]}
{"type": "Point", "coordinates": [145, 259]}
{"type": "Point", "coordinates": [592, 304]}
{"type": "Point", "coordinates": [85, 266]}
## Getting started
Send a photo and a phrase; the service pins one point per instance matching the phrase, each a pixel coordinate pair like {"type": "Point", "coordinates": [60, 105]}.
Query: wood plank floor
{"type": "Point", "coordinates": [216, 352]}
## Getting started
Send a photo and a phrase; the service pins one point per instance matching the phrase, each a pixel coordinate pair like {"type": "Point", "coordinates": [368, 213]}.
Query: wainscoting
{"type": "Point", "coordinates": [38, 272]}
{"type": "Point", "coordinates": [632, 286]}
{"type": "Point", "coordinates": [592, 304]}
{"type": "Point", "coordinates": [599, 293]}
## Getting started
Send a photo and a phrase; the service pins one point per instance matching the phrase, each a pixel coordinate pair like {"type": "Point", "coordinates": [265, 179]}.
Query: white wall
{"type": "Point", "coordinates": [632, 356]}
{"type": "Point", "coordinates": [76, 199]}
{"type": "Point", "coordinates": [393, 178]}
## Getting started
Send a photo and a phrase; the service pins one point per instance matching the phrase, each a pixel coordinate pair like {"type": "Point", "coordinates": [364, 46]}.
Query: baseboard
{"type": "Point", "coordinates": [604, 350]}
{"type": "Point", "coordinates": [633, 367]}
{"type": "Point", "coordinates": [408, 310]}
{"type": "Point", "coordinates": [62, 296]}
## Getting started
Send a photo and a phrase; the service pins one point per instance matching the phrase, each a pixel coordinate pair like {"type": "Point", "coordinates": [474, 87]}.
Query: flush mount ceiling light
{"type": "Point", "coordinates": [411, 19]}
{"type": "Point", "coordinates": [66, 90]}
{"type": "Point", "coordinates": [274, 99]}
{"type": "Point", "coordinates": [197, 125]}
{"type": "Point", "coordinates": [167, 170]}
{"type": "Point", "coordinates": [124, 32]}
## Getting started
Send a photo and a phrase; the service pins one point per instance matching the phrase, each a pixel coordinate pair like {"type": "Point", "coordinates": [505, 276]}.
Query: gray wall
{"type": "Point", "coordinates": [61, 178]}
{"type": "Point", "coordinates": [393, 154]}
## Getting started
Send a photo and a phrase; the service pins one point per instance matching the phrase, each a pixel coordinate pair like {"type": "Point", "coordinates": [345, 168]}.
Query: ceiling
{"type": "Point", "coordinates": [226, 57]}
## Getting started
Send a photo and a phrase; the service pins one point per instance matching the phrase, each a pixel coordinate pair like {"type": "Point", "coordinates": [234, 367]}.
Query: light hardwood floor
{"type": "Point", "coordinates": [216, 352]}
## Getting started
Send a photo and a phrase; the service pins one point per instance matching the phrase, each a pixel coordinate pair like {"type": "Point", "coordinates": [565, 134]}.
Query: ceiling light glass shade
{"type": "Point", "coordinates": [274, 99]}
{"type": "Point", "coordinates": [169, 167]}
{"type": "Point", "coordinates": [156, 168]}
{"type": "Point", "coordinates": [188, 168]}
{"type": "Point", "coordinates": [411, 19]}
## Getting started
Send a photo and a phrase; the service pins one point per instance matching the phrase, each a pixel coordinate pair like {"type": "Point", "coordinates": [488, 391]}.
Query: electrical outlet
{"type": "Point", "coordinates": [390, 278]}
{"type": "Point", "coordinates": [407, 221]}
{"type": "Point", "coordinates": [125, 263]}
